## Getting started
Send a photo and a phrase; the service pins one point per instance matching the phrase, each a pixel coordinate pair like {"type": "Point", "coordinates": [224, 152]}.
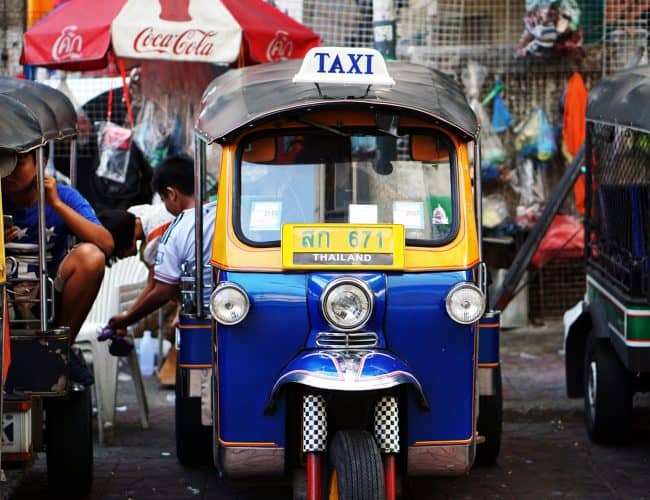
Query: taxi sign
{"type": "Point", "coordinates": [343, 246]}
{"type": "Point", "coordinates": [345, 66]}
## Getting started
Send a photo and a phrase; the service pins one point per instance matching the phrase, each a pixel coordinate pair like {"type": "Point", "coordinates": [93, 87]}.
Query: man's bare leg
{"type": "Point", "coordinates": [82, 272]}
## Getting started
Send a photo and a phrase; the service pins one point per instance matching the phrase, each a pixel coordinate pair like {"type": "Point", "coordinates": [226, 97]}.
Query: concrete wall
{"type": "Point", "coordinates": [12, 22]}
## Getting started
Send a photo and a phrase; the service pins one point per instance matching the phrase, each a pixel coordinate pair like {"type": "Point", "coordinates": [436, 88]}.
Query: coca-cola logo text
{"type": "Point", "coordinates": [68, 45]}
{"type": "Point", "coordinates": [280, 47]}
{"type": "Point", "coordinates": [191, 42]}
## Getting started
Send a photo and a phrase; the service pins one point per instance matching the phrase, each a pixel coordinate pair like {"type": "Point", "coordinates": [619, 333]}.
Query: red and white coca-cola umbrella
{"type": "Point", "coordinates": [81, 34]}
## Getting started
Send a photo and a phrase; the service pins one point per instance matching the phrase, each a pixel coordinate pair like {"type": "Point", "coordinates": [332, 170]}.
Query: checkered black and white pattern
{"type": "Point", "coordinates": [314, 423]}
{"type": "Point", "coordinates": [387, 424]}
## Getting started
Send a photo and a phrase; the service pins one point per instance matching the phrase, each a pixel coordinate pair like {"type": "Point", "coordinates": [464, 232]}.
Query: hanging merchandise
{"type": "Point", "coordinates": [574, 129]}
{"type": "Point", "coordinates": [501, 117]}
{"type": "Point", "coordinates": [166, 118]}
{"type": "Point", "coordinates": [114, 145]}
{"type": "Point", "coordinates": [114, 141]}
{"type": "Point", "coordinates": [551, 27]}
{"type": "Point", "coordinates": [535, 138]}
{"type": "Point", "coordinates": [493, 154]}
{"type": "Point", "coordinates": [495, 217]}
{"type": "Point", "coordinates": [564, 239]}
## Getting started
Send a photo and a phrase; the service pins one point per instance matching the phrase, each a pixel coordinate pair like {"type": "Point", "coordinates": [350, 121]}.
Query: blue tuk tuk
{"type": "Point", "coordinates": [343, 339]}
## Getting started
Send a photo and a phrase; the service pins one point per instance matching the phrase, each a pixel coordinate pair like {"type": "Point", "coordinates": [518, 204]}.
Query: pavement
{"type": "Point", "coordinates": [545, 450]}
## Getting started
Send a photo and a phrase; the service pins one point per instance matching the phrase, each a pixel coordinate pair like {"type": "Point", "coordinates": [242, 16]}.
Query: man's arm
{"type": "Point", "coordinates": [157, 297]}
{"type": "Point", "coordinates": [148, 287]}
{"type": "Point", "coordinates": [84, 229]}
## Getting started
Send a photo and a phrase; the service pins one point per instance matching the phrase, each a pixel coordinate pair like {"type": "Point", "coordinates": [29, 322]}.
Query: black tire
{"type": "Point", "coordinates": [69, 445]}
{"type": "Point", "coordinates": [608, 394]}
{"type": "Point", "coordinates": [490, 424]}
{"type": "Point", "coordinates": [193, 440]}
{"type": "Point", "coordinates": [354, 457]}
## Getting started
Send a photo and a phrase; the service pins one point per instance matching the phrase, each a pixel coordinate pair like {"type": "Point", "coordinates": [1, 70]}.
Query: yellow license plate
{"type": "Point", "coordinates": [343, 246]}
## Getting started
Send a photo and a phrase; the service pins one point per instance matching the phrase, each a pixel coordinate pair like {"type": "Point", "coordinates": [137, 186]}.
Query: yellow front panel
{"type": "Point", "coordinates": [231, 253]}
{"type": "Point", "coordinates": [342, 246]}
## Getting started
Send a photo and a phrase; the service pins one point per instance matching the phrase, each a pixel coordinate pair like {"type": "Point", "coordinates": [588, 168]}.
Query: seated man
{"type": "Point", "coordinates": [78, 272]}
{"type": "Point", "coordinates": [174, 180]}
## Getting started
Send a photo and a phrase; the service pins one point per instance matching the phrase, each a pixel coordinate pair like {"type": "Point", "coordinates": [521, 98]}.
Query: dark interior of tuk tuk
{"type": "Point", "coordinates": [619, 247]}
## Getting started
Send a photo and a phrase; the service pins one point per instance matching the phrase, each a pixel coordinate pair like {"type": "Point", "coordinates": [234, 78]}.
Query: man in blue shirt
{"type": "Point", "coordinates": [78, 273]}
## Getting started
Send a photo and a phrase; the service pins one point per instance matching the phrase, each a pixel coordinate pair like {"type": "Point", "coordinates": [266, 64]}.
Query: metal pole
{"type": "Point", "coordinates": [384, 28]}
{"type": "Point", "coordinates": [516, 270]}
{"type": "Point", "coordinates": [4, 309]}
{"type": "Point", "coordinates": [42, 237]}
{"type": "Point", "coordinates": [73, 163]}
{"type": "Point", "coordinates": [199, 169]}
{"type": "Point", "coordinates": [478, 195]}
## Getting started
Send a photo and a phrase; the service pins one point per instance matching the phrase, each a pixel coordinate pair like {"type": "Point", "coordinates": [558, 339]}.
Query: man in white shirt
{"type": "Point", "coordinates": [174, 181]}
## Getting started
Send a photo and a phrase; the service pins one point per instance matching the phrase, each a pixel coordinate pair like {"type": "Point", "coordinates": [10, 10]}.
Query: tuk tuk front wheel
{"type": "Point", "coordinates": [356, 467]}
{"type": "Point", "coordinates": [69, 444]}
{"type": "Point", "coordinates": [490, 423]}
{"type": "Point", "coordinates": [608, 393]}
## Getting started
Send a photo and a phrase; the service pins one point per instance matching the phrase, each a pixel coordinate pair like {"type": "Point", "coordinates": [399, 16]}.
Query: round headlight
{"type": "Point", "coordinates": [229, 304]}
{"type": "Point", "coordinates": [347, 303]}
{"type": "Point", "coordinates": [465, 303]}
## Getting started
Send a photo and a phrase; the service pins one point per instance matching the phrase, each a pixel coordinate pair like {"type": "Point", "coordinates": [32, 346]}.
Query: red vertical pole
{"type": "Point", "coordinates": [314, 484]}
{"type": "Point", "coordinates": [389, 476]}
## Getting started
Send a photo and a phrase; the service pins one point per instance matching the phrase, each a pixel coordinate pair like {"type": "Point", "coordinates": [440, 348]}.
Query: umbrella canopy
{"type": "Point", "coordinates": [80, 34]}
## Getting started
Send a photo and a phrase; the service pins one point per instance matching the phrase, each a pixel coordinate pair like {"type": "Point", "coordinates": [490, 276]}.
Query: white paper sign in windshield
{"type": "Point", "coordinates": [344, 66]}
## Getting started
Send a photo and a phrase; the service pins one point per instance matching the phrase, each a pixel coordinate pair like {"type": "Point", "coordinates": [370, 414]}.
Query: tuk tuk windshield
{"type": "Point", "coordinates": [362, 178]}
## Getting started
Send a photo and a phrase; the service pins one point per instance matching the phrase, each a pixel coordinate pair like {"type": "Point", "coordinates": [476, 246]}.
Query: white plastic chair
{"type": "Point", "coordinates": [121, 285]}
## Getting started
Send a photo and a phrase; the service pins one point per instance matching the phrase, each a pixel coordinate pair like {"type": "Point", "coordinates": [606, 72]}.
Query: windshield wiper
{"type": "Point", "coordinates": [321, 126]}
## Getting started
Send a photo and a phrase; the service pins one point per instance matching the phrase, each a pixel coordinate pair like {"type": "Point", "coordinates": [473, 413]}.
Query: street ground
{"type": "Point", "coordinates": [545, 451]}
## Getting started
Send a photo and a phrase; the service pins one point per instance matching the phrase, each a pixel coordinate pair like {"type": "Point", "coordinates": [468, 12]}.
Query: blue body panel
{"type": "Point", "coordinates": [277, 337]}
{"type": "Point", "coordinates": [195, 341]}
{"type": "Point", "coordinates": [252, 354]}
{"type": "Point", "coordinates": [488, 339]}
{"type": "Point", "coordinates": [440, 352]}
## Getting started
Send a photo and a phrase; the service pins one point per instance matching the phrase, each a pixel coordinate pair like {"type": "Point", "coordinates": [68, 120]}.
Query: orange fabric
{"type": "Point", "coordinates": [6, 355]}
{"type": "Point", "coordinates": [158, 232]}
{"type": "Point", "coordinates": [574, 128]}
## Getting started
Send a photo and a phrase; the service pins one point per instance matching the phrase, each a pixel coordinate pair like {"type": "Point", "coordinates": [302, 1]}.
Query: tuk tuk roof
{"type": "Point", "coordinates": [256, 94]}
{"type": "Point", "coordinates": [622, 99]}
{"type": "Point", "coordinates": [32, 114]}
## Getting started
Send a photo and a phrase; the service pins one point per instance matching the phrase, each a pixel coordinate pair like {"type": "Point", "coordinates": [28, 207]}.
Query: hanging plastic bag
{"type": "Point", "coordinates": [495, 211]}
{"type": "Point", "coordinates": [501, 117]}
{"type": "Point", "coordinates": [536, 139]}
{"type": "Point", "coordinates": [152, 134]}
{"type": "Point", "coordinates": [114, 146]}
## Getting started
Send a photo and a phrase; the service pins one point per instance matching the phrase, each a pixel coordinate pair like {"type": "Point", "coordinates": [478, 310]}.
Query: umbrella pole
{"type": "Point", "coordinates": [5, 310]}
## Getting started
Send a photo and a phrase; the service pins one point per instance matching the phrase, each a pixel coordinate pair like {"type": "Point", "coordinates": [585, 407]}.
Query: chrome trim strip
{"type": "Point", "coordinates": [442, 460]}
{"type": "Point", "coordinates": [252, 461]}
{"type": "Point", "coordinates": [343, 340]}
{"type": "Point", "coordinates": [487, 380]}
{"type": "Point", "coordinates": [335, 384]}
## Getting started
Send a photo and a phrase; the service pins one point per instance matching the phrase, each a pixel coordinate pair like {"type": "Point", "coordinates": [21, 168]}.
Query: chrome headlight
{"type": "Point", "coordinates": [229, 303]}
{"type": "Point", "coordinates": [347, 303]}
{"type": "Point", "coordinates": [465, 303]}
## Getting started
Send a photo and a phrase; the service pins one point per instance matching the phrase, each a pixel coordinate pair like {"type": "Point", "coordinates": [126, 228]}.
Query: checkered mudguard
{"type": "Point", "coordinates": [387, 424]}
{"type": "Point", "coordinates": [314, 423]}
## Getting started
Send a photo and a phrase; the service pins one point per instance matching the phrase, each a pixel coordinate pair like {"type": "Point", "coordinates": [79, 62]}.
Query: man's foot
{"type": "Point", "coordinates": [79, 371]}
